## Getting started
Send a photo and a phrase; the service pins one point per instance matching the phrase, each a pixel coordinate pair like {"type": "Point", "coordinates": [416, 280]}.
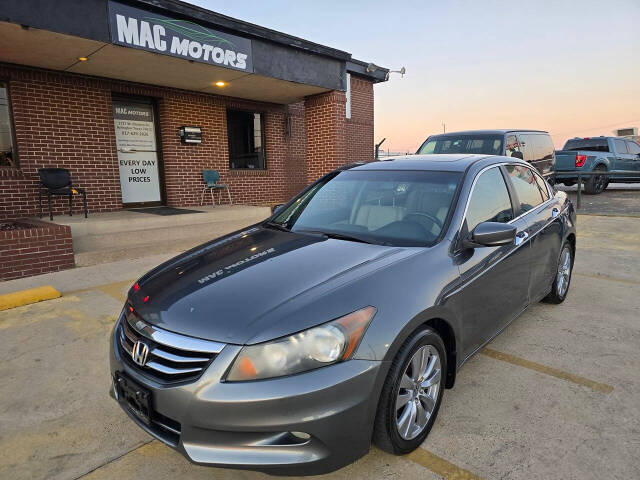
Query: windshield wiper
{"type": "Point", "coordinates": [277, 226]}
{"type": "Point", "coordinates": [338, 236]}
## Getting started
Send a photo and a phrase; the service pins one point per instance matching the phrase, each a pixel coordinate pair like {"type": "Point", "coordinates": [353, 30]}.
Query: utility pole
{"type": "Point", "coordinates": [444, 128]}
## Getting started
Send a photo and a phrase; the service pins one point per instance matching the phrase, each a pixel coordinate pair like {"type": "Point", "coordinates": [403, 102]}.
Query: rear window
{"type": "Point", "coordinates": [473, 143]}
{"type": "Point", "coordinates": [589, 144]}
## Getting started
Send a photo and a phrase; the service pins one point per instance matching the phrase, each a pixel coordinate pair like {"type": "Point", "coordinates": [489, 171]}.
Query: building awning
{"type": "Point", "coordinates": [172, 44]}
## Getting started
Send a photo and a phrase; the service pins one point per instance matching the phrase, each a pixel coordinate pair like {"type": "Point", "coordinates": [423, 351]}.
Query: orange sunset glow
{"type": "Point", "coordinates": [564, 66]}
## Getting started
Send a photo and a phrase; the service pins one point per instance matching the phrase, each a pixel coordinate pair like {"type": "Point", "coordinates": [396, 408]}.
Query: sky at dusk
{"type": "Point", "coordinates": [569, 67]}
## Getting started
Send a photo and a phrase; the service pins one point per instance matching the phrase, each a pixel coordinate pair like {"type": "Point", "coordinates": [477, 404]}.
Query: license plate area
{"type": "Point", "coordinates": [134, 397]}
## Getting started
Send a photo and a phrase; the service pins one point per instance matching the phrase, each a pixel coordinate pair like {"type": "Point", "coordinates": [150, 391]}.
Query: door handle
{"type": "Point", "coordinates": [555, 212]}
{"type": "Point", "coordinates": [521, 237]}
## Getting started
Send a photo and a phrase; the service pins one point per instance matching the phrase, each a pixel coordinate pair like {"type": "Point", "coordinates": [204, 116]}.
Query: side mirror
{"type": "Point", "coordinates": [277, 208]}
{"type": "Point", "coordinates": [491, 234]}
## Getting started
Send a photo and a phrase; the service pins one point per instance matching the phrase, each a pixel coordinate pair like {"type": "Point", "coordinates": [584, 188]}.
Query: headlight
{"type": "Point", "coordinates": [313, 348]}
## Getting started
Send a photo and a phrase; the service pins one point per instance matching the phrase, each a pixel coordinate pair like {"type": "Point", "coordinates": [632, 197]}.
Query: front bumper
{"type": "Point", "coordinates": [309, 423]}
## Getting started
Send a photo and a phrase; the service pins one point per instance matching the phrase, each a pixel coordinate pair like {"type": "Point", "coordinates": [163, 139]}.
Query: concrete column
{"type": "Point", "coordinates": [325, 125]}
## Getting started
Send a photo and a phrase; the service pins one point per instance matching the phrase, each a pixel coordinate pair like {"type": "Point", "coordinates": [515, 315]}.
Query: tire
{"type": "Point", "coordinates": [560, 289]}
{"type": "Point", "coordinates": [596, 183]}
{"type": "Point", "coordinates": [386, 433]}
{"type": "Point", "coordinates": [569, 184]}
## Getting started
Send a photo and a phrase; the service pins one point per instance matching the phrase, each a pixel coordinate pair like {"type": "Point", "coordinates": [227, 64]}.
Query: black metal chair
{"type": "Point", "coordinates": [57, 181]}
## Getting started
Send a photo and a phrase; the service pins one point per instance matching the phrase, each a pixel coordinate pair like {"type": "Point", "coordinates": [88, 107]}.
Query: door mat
{"type": "Point", "coordinates": [163, 210]}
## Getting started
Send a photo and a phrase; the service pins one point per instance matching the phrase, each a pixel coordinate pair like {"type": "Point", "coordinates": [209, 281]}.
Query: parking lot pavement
{"type": "Point", "coordinates": [618, 199]}
{"type": "Point", "coordinates": [554, 396]}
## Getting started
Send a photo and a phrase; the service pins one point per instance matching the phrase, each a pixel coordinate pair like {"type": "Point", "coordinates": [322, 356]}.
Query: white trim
{"type": "Point", "coordinates": [473, 185]}
{"type": "Point", "coordinates": [348, 94]}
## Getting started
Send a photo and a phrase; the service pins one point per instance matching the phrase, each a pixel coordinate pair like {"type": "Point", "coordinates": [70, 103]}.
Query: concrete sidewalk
{"type": "Point", "coordinates": [131, 234]}
{"type": "Point", "coordinates": [88, 277]}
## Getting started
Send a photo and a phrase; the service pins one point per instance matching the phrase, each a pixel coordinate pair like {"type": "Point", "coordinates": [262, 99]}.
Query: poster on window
{"type": "Point", "coordinates": [137, 153]}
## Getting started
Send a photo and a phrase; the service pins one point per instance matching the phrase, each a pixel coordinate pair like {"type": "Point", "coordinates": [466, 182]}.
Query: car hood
{"type": "Point", "coordinates": [237, 287]}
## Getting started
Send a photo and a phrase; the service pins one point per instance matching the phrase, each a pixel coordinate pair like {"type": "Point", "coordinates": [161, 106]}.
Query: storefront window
{"type": "Point", "coordinates": [8, 157]}
{"type": "Point", "coordinates": [246, 139]}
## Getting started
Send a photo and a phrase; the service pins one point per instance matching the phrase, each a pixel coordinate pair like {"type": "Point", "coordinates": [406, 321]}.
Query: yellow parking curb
{"type": "Point", "coordinates": [25, 297]}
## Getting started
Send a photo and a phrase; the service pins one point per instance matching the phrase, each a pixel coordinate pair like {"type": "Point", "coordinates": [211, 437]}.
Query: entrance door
{"type": "Point", "coordinates": [137, 151]}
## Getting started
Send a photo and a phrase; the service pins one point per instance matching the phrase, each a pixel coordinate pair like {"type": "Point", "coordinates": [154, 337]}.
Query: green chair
{"type": "Point", "coordinates": [211, 178]}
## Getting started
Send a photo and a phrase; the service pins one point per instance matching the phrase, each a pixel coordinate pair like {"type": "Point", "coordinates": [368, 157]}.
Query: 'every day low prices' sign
{"type": "Point", "coordinates": [136, 28]}
{"type": "Point", "coordinates": [137, 152]}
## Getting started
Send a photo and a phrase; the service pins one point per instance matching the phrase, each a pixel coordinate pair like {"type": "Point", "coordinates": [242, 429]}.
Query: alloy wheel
{"type": "Point", "coordinates": [564, 272]}
{"type": "Point", "coordinates": [418, 392]}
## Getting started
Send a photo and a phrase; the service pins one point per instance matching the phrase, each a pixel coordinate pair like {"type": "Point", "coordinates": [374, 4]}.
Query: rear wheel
{"type": "Point", "coordinates": [597, 183]}
{"type": "Point", "coordinates": [562, 279]}
{"type": "Point", "coordinates": [411, 394]}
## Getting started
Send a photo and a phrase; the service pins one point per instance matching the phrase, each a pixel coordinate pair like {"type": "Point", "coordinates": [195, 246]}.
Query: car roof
{"type": "Point", "coordinates": [489, 132]}
{"type": "Point", "coordinates": [444, 162]}
{"type": "Point", "coordinates": [604, 137]}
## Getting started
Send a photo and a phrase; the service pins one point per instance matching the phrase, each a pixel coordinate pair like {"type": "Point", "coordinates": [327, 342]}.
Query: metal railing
{"type": "Point", "coordinates": [580, 175]}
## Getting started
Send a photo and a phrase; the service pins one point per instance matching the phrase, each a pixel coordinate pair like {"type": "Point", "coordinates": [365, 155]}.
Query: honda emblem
{"type": "Point", "coordinates": [139, 353]}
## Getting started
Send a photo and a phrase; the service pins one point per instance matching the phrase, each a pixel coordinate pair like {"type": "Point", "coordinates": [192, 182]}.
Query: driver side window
{"type": "Point", "coordinates": [490, 201]}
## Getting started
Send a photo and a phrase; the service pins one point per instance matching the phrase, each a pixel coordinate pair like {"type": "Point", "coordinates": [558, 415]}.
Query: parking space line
{"type": "Point", "coordinates": [554, 372]}
{"type": "Point", "coordinates": [113, 289]}
{"type": "Point", "coordinates": [114, 459]}
{"type": "Point", "coordinates": [440, 466]}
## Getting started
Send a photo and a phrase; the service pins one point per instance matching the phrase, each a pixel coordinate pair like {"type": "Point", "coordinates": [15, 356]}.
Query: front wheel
{"type": "Point", "coordinates": [562, 279]}
{"type": "Point", "coordinates": [411, 394]}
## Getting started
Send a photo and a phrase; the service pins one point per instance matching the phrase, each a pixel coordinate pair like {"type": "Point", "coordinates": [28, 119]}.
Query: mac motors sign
{"type": "Point", "coordinates": [136, 28]}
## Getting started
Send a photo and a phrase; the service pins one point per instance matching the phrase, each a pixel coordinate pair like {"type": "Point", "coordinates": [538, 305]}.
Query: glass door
{"type": "Point", "coordinates": [137, 152]}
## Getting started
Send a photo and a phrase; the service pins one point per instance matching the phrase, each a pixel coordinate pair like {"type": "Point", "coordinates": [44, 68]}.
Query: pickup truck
{"type": "Point", "coordinates": [597, 154]}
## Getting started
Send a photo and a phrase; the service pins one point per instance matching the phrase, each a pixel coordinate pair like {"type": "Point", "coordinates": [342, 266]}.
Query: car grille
{"type": "Point", "coordinates": [172, 357]}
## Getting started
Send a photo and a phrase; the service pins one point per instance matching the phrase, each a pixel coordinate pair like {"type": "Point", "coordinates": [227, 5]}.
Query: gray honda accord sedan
{"type": "Point", "coordinates": [287, 347]}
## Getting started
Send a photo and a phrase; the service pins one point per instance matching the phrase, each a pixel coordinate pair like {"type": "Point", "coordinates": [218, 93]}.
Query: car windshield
{"type": "Point", "coordinates": [472, 143]}
{"type": "Point", "coordinates": [403, 208]}
{"type": "Point", "coordinates": [588, 144]}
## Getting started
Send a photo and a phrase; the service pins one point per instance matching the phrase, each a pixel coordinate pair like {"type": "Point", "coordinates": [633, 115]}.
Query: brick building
{"type": "Point", "coordinates": [137, 97]}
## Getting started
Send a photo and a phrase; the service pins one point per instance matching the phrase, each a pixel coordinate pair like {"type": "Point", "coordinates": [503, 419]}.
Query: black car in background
{"type": "Point", "coordinates": [532, 146]}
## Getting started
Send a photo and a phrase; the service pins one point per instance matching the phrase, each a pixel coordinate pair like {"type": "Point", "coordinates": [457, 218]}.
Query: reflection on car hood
{"type": "Point", "coordinates": [232, 288]}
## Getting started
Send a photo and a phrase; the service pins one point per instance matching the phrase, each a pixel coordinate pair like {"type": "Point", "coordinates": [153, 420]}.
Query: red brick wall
{"type": "Point", "coordinates": [66, 120]}
{"type": "Point", "coordinates": [60, 121]}
{"type": "Point", "coordinates": [360, 141]}
{"type": "Point", "coordinates": [296, 144]}
{"type": "Point", "coordinates": [326, 136]}
{"type": "Point", "coordinates": [44, 248]}
{"type": "Point", "coordinates": [183, 164]}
